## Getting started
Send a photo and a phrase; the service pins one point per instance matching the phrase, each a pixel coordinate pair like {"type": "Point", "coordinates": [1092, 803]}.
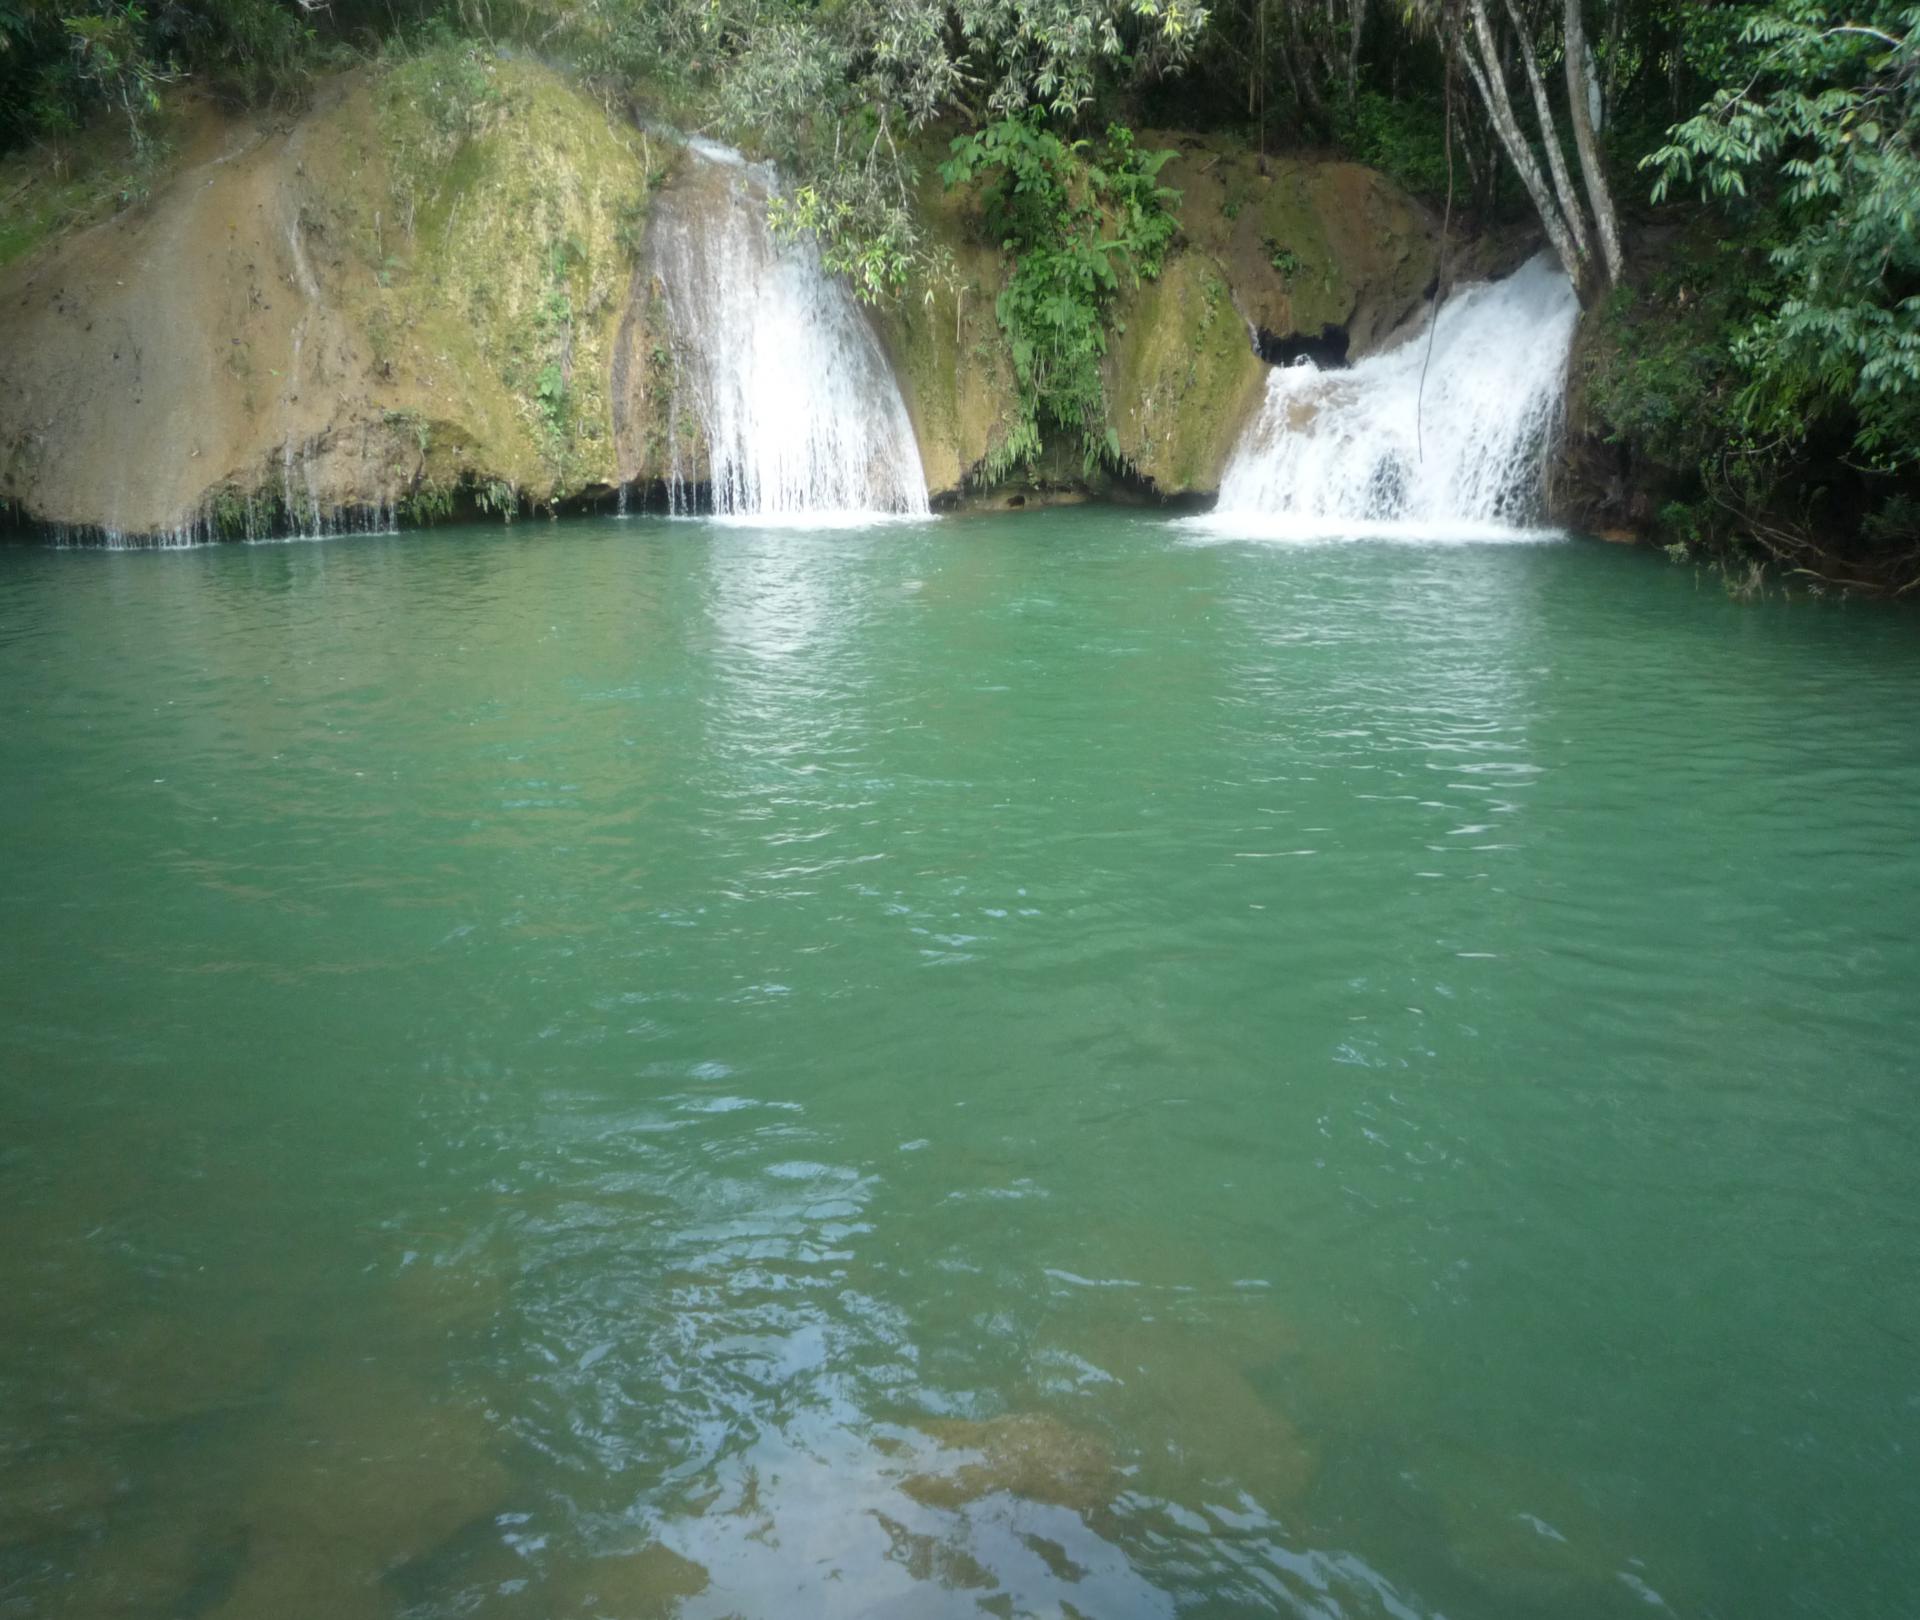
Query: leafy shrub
{"type": "Point", "coordinates": [1404, 139]}
{"type": "Point", "coordinates": [1071, 226]}
{"type": "Point", "coordinates": [1828, 102]}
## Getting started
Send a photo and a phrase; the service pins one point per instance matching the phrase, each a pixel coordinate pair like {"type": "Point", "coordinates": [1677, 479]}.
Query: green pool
{"type": "Point", "coordinates": [1058, 1066]}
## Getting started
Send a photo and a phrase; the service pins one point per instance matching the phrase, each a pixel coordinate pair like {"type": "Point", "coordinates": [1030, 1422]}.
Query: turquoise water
{"type": "Point", "coordinates": [1056, 1066]}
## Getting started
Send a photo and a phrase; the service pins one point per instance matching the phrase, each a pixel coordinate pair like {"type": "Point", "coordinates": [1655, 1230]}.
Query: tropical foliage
{"type": "Point", "coordinates": [1812, 139]}
{"type": "Point", "coordinates": [1073, 222]}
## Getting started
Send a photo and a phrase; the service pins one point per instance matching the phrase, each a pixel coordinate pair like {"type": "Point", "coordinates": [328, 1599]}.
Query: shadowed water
{"type": "Point", "coordinates": [1063, 1066]}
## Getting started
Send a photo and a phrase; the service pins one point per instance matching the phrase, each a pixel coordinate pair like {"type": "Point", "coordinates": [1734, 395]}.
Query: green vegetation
{"type": "Point", "coordinates": [1828, 102]}
{"type": "Point", "coordinates": [74, 179]}
{"type": "Point", "coordinates": [1071, 228]}
{"type": "Point", "coordinates": [61, 61]}
{"type": "Point", "coordinates": [1772, 361]}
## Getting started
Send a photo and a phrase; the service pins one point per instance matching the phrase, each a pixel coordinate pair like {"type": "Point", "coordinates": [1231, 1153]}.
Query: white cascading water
{"type": "Point", "coordinates": [798, 411]}
{"type": "Point", "coordinates": [1367, 449]}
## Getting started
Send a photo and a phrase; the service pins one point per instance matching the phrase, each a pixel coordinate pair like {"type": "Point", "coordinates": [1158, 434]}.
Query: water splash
{"type": "Point", "coordinates": [1332, 452]}
{"type": "Point", "coordinates": [797, 410]}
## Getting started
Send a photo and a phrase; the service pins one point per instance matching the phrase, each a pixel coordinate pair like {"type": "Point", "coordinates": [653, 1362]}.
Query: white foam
{"type": "Point", "coordinates": [1372, 452]}
{"type": "Point", "coordinates": [798, 414]}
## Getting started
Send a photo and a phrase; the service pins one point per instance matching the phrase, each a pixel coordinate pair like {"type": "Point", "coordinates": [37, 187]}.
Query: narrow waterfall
{"type": "Point", "coordinates": [796, 408]}
{"type": "Point", "coordinates": [1365, 448]}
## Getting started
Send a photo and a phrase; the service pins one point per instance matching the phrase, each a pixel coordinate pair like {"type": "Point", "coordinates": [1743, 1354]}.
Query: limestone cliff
{"type": "Point", "coordinates": [401, 294]}
{"type": "Point", "coordinates": [427, 294]}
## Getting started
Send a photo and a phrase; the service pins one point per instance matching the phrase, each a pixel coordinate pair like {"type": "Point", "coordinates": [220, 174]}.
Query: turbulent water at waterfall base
{"type": "Point", "coordinates": [1444, 434]}
{"type": "Point", "coordinates": [797, 410]}
{"type": "Point", "coordinates": [1059, 1065]}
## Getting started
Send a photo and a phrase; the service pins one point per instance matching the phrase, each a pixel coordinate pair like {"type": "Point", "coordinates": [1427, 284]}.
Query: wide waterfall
{"type": "Point", "coordinates": [1446, 433]}
{"type": "Point", "coordinates": [796, 408]}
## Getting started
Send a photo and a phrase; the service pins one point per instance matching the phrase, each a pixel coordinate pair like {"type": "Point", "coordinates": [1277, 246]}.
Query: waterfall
{"type": "Point", "coordinates": [797, 410]}
{"type": "Point", "coordinates": [1362, 449]}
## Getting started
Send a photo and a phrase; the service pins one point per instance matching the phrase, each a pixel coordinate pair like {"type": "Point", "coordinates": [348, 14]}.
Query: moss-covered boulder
{"type": "Point", "coordinates": [504, 276]}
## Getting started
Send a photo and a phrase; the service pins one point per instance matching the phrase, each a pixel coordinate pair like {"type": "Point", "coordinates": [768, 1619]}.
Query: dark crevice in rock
{"type": "Point", "coordinates": [1328, 350]}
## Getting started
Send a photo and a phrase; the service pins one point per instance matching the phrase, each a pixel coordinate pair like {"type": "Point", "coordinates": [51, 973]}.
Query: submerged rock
{"type": "Point", "coordinates": [45, 1493]}
{"type": "Point", "coordinates": [355, 1472]}
{"type": "Point", "coordinates": [646, 1585]}
{"type": "Point", "coordinates": [1529, 1535]}
{"type": "Point", "coordinates": [1201, 1425]}
{"type": "Point", "coordinates": [1025, 1454]}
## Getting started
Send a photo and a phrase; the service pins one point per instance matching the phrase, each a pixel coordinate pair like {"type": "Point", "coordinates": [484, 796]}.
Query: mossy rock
{"type": "Point", "coordinates": [1182, 376]}
{"type": "Point", "coordinates": [1304, 243]}
{"type": "Point", "coordinates": [948, 353]}
{"type": "Point", "coordinates": [514, 278]}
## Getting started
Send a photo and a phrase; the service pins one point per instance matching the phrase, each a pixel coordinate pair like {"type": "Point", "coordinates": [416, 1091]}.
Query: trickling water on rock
{"type": "Point", "coordinates": [796, 409]}
{"type": "Point", "coordinates": [1330, 449]}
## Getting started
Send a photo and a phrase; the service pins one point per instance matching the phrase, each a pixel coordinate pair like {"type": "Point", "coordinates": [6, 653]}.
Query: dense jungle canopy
{"type": "Point", "coordinates": [1733, 188]}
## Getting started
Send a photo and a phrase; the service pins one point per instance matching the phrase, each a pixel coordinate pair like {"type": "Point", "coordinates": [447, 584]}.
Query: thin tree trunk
{"type": "Point", "coordinates": [1461, 140]}
{"type": "Point", "coordinates": [1359, 15]}
{"type": "Point", "coordinates": [1263, 79]}
{"type": "Point", "coordinates": [1304, 87]}
{"type": "Point", "coordinates": [1484, 70]}
{"type": "Point", "coordinates": [1616, 23]}
{"type": "Point", "coordinates": [1550, 136]}
{"type": "Point", "coordinates": [1581, 66]}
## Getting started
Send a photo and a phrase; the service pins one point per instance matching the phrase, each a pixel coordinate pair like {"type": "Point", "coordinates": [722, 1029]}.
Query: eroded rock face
{"type": "Point", "coordinates": [1184, 376]}
{"type": "Point", "coordinates": [949, 355]}
{"type": "Point", "coordinates": [1281, 257]}
{"type": "Point", "coordinates": [279, 341]}
{"type": "Point", "coordinates": [315, 325]}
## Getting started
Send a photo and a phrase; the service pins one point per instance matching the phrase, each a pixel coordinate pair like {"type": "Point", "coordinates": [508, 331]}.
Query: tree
{"type": "Point", "coordinates": [1583, 230]}
{"type": "Point", "coordinates": [1830, 101]}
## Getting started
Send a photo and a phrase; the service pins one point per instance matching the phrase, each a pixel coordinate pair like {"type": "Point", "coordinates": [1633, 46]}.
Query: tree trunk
{"type": "Point", "coordinates": [1484, 70]}
{"type": "Point", "coordinates": [1305, 91]}
{"type": "Point", "coordinates": [1550, 137]}
{"type": "Point", "coordinates": [1359, 15]}
{"type": "Point", "coordinates": [1581, 66]}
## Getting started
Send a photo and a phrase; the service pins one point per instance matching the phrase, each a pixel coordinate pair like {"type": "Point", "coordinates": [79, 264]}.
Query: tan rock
{"type": "Point", "coordinates": [1025, 1454]}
